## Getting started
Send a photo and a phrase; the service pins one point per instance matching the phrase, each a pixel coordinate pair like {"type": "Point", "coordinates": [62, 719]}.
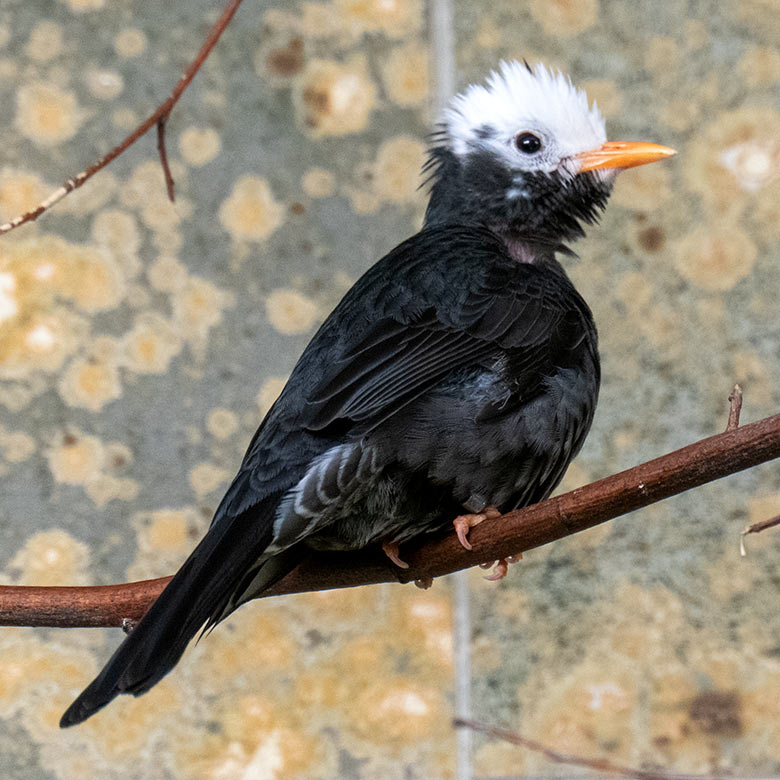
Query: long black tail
{"type": "Point", "coordinates": [212, 578]}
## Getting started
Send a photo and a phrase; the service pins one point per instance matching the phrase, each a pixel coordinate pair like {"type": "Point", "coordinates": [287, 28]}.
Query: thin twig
{"type": "Point", "coordinates": [599, 764]}
{"type": "Point", "coordinates": [756, 528]}
{"type": "Point", "coordinates": [735, 408]}
{"type": "Point", "coordinates": [159, 116]}
{"type": "Point", "coordinates": [169, 183]}
{"type": "Point", "coordinates": [706, 460]}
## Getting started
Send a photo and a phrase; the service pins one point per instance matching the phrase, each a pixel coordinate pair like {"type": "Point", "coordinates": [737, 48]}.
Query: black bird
{"type": "Point", "coordinates": [459, 374]}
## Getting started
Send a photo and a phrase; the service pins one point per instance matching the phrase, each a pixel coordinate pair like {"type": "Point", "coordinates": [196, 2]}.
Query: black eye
{"type": "Point", "coordinates": [528, 143]}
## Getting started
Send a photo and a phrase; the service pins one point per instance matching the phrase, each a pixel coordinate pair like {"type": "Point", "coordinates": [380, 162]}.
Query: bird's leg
{"type": "Point", "coordinates": [391, 551]}
{"type": "Point", "coordinates": [464, 523]}
{"type": "Point", "coordinates": [502, 566]}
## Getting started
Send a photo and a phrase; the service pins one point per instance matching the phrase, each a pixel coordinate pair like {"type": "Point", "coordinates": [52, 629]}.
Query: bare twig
{"type": "Point", "coordinates": [599, 764]}
{"type": "Point", "coordinates": [735, 408]}
{"type": "Point", "coordinates": [756, 528]}
{"type": "Point", "coordinates": [169, 183]}
{"type": "Point", "coordinates": [157, 119]}
{"type": "Point", "coordinates": [706, 460]}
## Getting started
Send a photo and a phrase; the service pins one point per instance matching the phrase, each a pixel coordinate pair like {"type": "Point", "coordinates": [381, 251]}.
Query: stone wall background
{"type": "Point", "coordinates": [141, 342]}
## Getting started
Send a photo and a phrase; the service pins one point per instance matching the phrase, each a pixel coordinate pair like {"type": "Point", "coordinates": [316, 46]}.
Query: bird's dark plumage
{"type": "Point", "coordinates": [461, 371]}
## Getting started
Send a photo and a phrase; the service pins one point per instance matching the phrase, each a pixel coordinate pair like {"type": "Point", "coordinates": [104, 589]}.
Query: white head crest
{"type": "Point", "coordinates": [518, 99]}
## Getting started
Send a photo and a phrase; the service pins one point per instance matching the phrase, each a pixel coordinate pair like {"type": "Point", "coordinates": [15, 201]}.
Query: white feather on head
{"type": "Point", "coordinates": [517, 99]}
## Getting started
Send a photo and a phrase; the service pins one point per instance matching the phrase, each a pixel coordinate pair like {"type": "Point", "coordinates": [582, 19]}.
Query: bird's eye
{"type": "Point", "coordinates": [528, 143]}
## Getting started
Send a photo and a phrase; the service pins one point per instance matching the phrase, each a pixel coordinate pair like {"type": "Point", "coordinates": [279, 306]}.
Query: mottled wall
{"type": "Point", "coordinates": [140, 343]}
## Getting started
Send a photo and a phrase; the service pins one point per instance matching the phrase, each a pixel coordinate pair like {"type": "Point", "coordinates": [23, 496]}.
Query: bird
{"type": "Point", "coordinates": [455, 380]}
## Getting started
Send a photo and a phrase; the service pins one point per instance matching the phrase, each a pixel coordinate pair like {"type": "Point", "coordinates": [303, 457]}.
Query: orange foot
{"type": "Point", "coordinates": [502, 566]}
{"type": "Point", "coordinates": [464, 523]}
{"type": "Point", "coordinates": [391, 551]}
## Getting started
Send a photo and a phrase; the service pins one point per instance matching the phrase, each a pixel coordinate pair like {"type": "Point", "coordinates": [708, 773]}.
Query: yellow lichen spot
{"type": "Point", "coordinates": [605, 93]}
{"type": "Point", "coordinates": [363, 201]}
{"type": "Point", "coordinates": [317, 183]}
{"type": "Point", "coordinates": [124, 118]}
{"type": "Point", "coordinates": [106, 487]}
{"type": "Point", "coordinates": [165, 538]}
{"type": "Point", "coordinates": [167, 274]}
{"type": "Point", "coordinates": [19, 192]}
{"type": "Point", "coordinates": [251, 212]}
{"type": "Point", "coordinates": [116, 231]}
{"type": "Point", "coordinates": [16, 445]}
{"type": "Point", "coordinates": [222, 423]}
{"type": "Point", "coordinates": [40, 341]}
{"type": "Point", "coordinates": [738, 148]}
{"type": "Point", "coordinates": [151, 345]}
{"type": "Point", "coordinates": [48, 267]}
{"type": "Point", "coordinates": [26, 681]}
{"type": "Point", "coordinates": [499, 759]}
{"type": "Point", "coordinates": [269, 392]}
{"type": "Point", "coordinates": [586, 708]}
{"type": "Point", "coordinates": [75, 458]}
{"type": "Point", "coordinates": [662, 55]}
{"type": "Point", "coordinates": [90, 383]}
{"type": "Point", "coordinates": [334, 99]}
{"type": "Point", "coordinates": [130, 42]}
{"type": "Point", "coordinates": [45, 114]}
{"type": "Point", "coordinates": [205, 478]}
{"type": "Point", "coordinates": [257, 634]}
{"type": "Point", "coordinates": [489, 34]}
{"type": "Point", "coordinates": [51, 558]}
{"type": "Point", "coordinates": [199, 146]}
{"type": "Point", "coordinates": [45, 42]}
{"type": "Point", "coordinates": [291, 312]}
{"type": "Point", "coordinates": [564, 17]}
{"type": "Point", "coordinates": [5, 35]}
{"type": "Point", "coordinates": [760, 66]}
{"type": "Point", "coordinates": [397, 171]}
{"type": "Point", "coordinates": [715, 257]}
{"type": "Point", "coordinates": [754, 376]}
{"type": "Point", "coordinates": [396, 18]}
{"type": "Point", "coordinates": [9, 305]}
{"type": "Point", "coordinates": [198, 307]}
{"type": "Point", "coordinates": [405, 75]}
{"type": "Point", "coordinates": [104, 84]}
{"type": "Point", "coordinates": [644, 188]}
{"type": "Point", "coordinates": [397, 710]}
{"type": "Point", "coordinates": [81, 6]}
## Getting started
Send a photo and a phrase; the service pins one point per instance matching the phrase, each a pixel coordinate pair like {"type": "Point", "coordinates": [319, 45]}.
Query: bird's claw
{"type": "Point", "coordinates": [501, 567]}
{"type": "Point", "coordinates": [391, 551]}
{"type": "Point", "coordinates": [464, 523]}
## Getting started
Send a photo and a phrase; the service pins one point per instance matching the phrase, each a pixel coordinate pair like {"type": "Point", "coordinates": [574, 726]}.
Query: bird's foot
{"type": "Point", "coordinates": [501, 567]}
{"type": "Point", "coordinates": [423, 583]}
{"type": "Point", "coordinates": [464, 523]}
{"type": "Point", "coordinates": [391, 551]}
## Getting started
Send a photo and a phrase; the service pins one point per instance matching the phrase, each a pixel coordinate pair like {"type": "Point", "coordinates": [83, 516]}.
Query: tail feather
{"type": "Point", "coordinates": [199, 593]}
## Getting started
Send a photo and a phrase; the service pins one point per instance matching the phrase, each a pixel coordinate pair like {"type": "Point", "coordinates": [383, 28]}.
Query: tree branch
{"type": "Point", "coordinates": [157, 119]}
{"type": "Point", "coordinates": [512, 533]}
{"type": "Point", "coordinates": [598, 764]}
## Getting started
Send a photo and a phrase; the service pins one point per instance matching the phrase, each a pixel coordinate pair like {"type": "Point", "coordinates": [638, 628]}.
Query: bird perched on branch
{"type": "Point", "coordinates": [456, 380]}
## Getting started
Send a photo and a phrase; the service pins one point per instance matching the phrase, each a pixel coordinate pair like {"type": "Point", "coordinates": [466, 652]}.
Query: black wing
{"type": "Point", "coordinates": [527, 314]}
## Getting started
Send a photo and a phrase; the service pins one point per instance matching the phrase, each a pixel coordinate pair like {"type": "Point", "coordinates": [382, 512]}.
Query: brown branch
{"type": "Point", "coordinates": [756, 528]}
{"type": "Point", "coordinates": [162, 151]}
{"type": "Point", "coordinates": [157, 119]}
{"type": "Point", "coordinates": [735, 408]}
{"type": "Point", "coordinates": [599, 764]}
{"type": "Point", "coordinates": [706, 460]}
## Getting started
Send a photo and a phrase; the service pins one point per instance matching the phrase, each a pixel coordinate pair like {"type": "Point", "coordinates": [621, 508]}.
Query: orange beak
{"type": "Point", "coordinates": [622, 154]}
